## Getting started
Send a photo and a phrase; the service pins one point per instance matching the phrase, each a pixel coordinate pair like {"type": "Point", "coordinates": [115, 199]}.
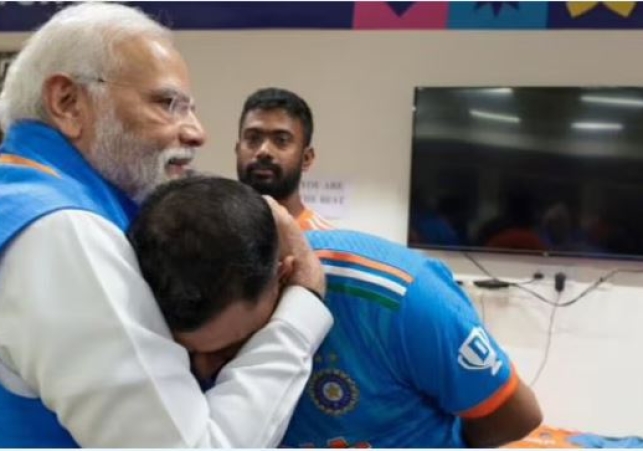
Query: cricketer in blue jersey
{"type": "Point", "coordinates": [408, 362]}
{"type": "Point", "coordinates": [407, 359]}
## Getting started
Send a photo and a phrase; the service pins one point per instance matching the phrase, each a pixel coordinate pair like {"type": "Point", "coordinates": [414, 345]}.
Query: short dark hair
{"type": "Point", "coordinates": [203, 243]}
{"type": "Point", "coordinates": [268, 99]}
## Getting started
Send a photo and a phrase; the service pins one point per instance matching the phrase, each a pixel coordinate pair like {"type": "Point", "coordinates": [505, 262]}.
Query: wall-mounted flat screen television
{"type": "Point", "coordinates": [538, 170]}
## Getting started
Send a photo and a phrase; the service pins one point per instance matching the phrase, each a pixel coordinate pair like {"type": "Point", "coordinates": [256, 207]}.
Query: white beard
{"type": "Point", "coordinates": [127, 161]}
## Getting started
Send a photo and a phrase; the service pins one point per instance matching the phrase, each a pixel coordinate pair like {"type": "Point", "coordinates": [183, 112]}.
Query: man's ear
{"type": "Point", "coordinates": [309, 157]}
{"type": "Point", "coordinates": [65, 102]}
{"type": "Point", "coordinates": [285, 269]}
{"type": "Point", "coordinates": [236, 148]}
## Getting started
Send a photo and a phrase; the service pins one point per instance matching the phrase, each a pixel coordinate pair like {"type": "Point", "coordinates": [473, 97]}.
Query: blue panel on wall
{"type": "Point", "coordinates": [239, 15]}
{"type": "Point", "coordinates": [16, 16]}
{"type": "Point", "coordinates": [204, 15]}
{"type": "Point", "coordinates": [497, 15]}
{"type": "Point", "coordinates": [400, 8]}
{"type": "Point", "coordinates": [597, 15]}
{"type": "Point", "coordinates": [26, 16]}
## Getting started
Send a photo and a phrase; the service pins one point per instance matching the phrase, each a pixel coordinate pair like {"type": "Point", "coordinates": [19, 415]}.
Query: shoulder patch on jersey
{"type": "Point", "coordinates": [476, 353]}
{"type": "Point", "coordinates": [333, 391]}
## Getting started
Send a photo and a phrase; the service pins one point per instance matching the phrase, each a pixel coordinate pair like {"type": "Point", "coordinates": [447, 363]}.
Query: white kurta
{"type": "Point", "coordinates": [80, 329]}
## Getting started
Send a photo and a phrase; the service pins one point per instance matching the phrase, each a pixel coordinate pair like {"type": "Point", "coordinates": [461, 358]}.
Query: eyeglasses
{"type": "Point", "coordinates": [175, 104]}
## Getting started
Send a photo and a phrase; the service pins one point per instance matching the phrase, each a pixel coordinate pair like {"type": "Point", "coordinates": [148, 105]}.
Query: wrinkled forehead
{"type": "Point", "coordinates": [151, 62]}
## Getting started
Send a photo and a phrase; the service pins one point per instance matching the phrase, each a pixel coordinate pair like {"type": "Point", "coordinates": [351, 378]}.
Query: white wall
{"type": "Point", "coordinates": [360, 85]}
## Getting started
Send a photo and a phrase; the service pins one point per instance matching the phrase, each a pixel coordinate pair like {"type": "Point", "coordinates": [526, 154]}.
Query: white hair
{"type": "Point", "coordinates": [78, 40]}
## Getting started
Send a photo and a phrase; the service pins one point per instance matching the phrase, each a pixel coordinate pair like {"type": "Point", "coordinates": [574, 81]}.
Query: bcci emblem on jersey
{"type": "Point", "coordinates": [333, 392]}
{"type": "Point", "coordinates": [476, 353]}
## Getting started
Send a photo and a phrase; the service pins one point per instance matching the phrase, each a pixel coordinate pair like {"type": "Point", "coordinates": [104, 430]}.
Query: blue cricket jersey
{"type": "Point", "coordinates": [407, 356]}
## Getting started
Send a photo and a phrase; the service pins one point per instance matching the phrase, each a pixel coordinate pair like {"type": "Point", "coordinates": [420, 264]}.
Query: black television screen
{"type": "Point", "coordinates": [543, 170]}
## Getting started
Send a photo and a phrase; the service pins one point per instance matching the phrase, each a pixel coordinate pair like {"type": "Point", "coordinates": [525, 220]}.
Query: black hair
{"type": "Point", "coordinates": [268, 99]}
{"type": "Point", "coordinates": [203, 243]}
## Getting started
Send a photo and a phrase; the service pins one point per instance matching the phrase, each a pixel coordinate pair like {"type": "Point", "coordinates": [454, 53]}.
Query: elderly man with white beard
{"type": "Point", "coordinates": [97, 112]}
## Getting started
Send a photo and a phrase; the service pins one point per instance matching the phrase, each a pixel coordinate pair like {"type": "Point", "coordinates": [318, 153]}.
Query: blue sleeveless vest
{"type": "Point", "coordinates": [40, 173]}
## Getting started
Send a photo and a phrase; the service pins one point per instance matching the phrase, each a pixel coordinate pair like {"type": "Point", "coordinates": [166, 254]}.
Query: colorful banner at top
{"type": "Point", "coordinates": [492, 15]}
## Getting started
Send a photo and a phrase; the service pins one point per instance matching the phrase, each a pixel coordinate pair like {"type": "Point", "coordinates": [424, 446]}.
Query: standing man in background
{"type": "Point", "coordinates": [274, 149]}
{"type": "Point", "coordinates": [97, 112]}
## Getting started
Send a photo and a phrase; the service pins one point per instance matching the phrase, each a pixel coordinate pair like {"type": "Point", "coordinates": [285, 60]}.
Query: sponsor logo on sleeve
{"type": "Point", "coordinates": [476, 353]}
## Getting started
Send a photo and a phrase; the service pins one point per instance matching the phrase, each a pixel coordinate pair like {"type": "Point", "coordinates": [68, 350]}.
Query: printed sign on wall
{"type": "Point", "coordinates": [328, 197]}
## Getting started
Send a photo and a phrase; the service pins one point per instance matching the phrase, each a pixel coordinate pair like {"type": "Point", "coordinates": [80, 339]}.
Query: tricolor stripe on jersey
{"type": "Point", "coordinates": [368, 279]}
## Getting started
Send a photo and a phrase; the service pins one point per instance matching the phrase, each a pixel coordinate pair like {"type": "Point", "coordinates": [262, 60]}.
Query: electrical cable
{"type": "Point", "coordinates": [483, 312]}
{"type": "Point", "coordinates": [480, 267]}
{"type": "Point", "coordinates": [494, 283]}
{"type": "Point", "coordinates": [499, 283]}
{"type": "Point", "coordinates": [560, 282]}
{"type": "Point", "coordinates": [528, 281]}
{"type": "Point", "coordinates": [550, 334]}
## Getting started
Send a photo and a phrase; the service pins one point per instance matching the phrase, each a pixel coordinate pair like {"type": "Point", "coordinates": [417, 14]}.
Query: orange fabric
{"type": "Point", "coordinates": [21, 161]}
{"type": "Point", "coordinates": [309, 220]}
{"type": "Point", "coordinates": [545, 437]}
{"type": "Point", "coordinates": [342, 443]}
{"type": "Point", "coordinates": [351, 258]}
{"type": "Point", "coordinates": [498, 399]}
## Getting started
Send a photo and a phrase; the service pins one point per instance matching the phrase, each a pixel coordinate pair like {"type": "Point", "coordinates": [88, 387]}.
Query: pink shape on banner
{"type": "Point", "coordinates": [380, 16]}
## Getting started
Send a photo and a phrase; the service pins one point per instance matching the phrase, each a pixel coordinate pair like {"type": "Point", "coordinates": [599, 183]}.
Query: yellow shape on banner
{"type": "Point", "coordinates": [623, 9]}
